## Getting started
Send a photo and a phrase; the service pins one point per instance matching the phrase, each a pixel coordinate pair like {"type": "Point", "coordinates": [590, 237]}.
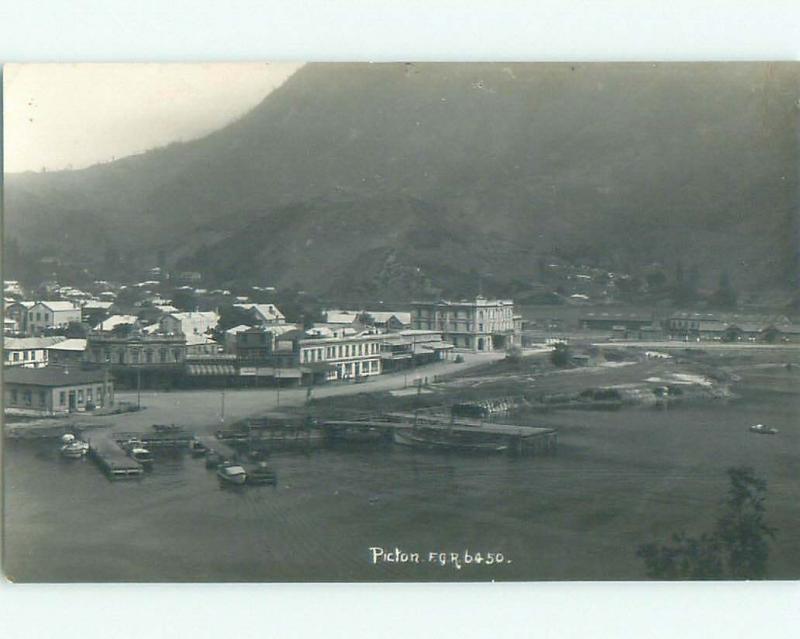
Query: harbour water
{"type": "Point", "coordinates": [619, 479]}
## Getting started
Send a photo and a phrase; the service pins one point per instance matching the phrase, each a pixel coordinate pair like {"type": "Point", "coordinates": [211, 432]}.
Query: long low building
{"type": "Point", "coordinates": [55, 390]}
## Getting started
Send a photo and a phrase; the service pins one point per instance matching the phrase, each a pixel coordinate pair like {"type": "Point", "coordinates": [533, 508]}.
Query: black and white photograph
{"type": "Point", "coordinates": [401, 322]}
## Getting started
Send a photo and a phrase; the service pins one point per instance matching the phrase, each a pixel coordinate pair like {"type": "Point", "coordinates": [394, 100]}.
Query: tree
{"type": "Point", "coordinates": [725, 295]}
{"type": "Point", "coordinates": [560, 355]}
{"type": "Point", "coordinates": [736, 548]}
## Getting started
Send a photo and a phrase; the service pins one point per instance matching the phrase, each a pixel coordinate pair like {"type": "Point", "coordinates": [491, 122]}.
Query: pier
{"type": "Point", "coordinates": [520, 439]}
{"type": "Point", "coordinates": [111, 459]}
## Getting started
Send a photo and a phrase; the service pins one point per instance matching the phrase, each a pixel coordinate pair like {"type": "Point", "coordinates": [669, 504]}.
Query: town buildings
{"type": "Point", "coordinates": [67, 352]}
{"type": "Point", "coordinates": [478, 325]}
{"type": "Point", "coordinates": [55, 390]}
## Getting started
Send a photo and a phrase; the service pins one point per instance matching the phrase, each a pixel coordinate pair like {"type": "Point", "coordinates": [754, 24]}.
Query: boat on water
{"type": "Point", "coordinates": [197, 448]}
{"type": "Point", "coordinates": [260, 474]}
{"type": "Point", "coordinates": [73, 448]}
{"type": "Point", "coordinates": [763, 430]}
{"type": "Point", "coordinates": [141, 455]}
{"type": "Point", "coordinates": [213, 458]}
{"type": "Point", "coordinates": [232, 473]}
{"type": "Point", "coordinates": [443, 441]}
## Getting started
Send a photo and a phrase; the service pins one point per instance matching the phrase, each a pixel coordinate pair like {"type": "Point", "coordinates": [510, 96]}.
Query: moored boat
{"type": "Point", "coordinates": [261, 473]}
{"type": "Point", "coordinates": [197, 448]}
{"type": "Point", "coordinates": [73, 448]}
{"type": "Point", "coordinates": [232, 473]}
{"type": "Point", "coordinates": [141, 455]}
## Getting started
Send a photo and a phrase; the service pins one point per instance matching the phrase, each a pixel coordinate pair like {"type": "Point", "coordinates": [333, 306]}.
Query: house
{"type": "Point", "coordinates": [389, 320]}
{"type": "Point", "coordinates": [260, 343]}
{"type": "Point", "coordinates": [10, 327]}
{"type": "Point", "coordinates": [264, 314]}
{"type": "Point", "coordinates": [201, 345]}
{"type": "Point", "coordinates": [114, 321]}
{"type": "Point", "coordinates": [687, 325]}
{"type": "Point", "coordinates": [55, 390]}
{"type": "Point", "coordinates": [189, 323]}
{"type": "Point", "coordinates": [95, 311]}
{"type": "Point", "coordinates": [229, 340]}
{"type": "Point", "coordinates": [479, 325]}
{"type": "Point", "coordinates": [68, 352]}
{"type": "Point", "coordinates": [412, 347]}
{"type": "Point", "coordinates": [18, 311]}
{"type": "Point", "coordinates": [28, 352]}
{"type": "Point", "coordinates": [54, 314]}
{"type": "Point", "coordinates": [339, 358]}
{"type": "Point", "coordinates": [344, 318]}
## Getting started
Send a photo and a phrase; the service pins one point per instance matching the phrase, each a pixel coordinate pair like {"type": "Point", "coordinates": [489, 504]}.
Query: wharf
{"type": "Point", "coordinates": [111, 459]}
{"type": "Point", "coordinates": [520, 439]}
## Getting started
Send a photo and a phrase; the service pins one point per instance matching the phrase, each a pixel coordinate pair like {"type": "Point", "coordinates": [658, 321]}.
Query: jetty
{"type": "Point", "coordinates": [526, 440]}
{"type": "Point", "coordinates": [112, 460]}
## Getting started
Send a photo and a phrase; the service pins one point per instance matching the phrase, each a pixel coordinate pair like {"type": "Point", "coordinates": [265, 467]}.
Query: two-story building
{"type": "Point", "coordinates": [48, 315]}
{"type": "Point", "coordinates": [478, 325]}
{"type": "Point", "coordinates": [189, 323]}
{"type": "Point", "coordinates": [138, 358]}
{"type": "Point", "coordinates": [28, 352]}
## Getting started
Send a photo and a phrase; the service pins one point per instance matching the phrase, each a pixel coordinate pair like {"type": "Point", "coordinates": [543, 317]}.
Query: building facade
{"type": "Point", "coordinates": [138, 359]}
{"type": "Point", "coordinates": [56, 390]}
{"type": "Point", "coordinates": [478, 325]}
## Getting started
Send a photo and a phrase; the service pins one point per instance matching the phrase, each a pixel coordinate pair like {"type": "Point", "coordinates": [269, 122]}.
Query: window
{"type": "Point", "coordinates": [42, 398]}
{"type": "Point", "coordinates": [26, 397]}
{"type": "Point", "coordinates": [16, 357]}
{"type": "Point", "coordinates": [340, 350]}
{"type": "Point", "coordinates": [135, 357]}
{"type": "Point", "coordinates": [148, 356]}
{"type": "Point", "coordinates": [80, 397]}
{"type": "Point", "coordinates": [88, 394]}
{"type": "Point", "coordinates": [319, 354]}
{"type": "Point", "coordinates": [162, 354]}
{"type": "Point", "coordinates": [62, 398]}
{"type": "Point", "coordinates": [25, 355]}
{"type": "Point", "coordinates": [305, 356]}
{"type": "Point", "coordinates": [38, 317]}
{"type": "Point", "coordinates": [47, 317]}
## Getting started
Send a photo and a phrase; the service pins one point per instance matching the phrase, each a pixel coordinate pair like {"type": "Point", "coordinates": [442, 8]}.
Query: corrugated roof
{"type": "Point", "coordinates": [51, 376]}
{"type": "Point", "coordinates": [23, 343]}
{"type": "Point", "coordinates": [74, 344]}
{"type": "Point", "coordinates": [58, 305]}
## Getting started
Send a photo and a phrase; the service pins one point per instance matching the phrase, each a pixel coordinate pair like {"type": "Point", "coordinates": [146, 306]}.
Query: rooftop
{"type": "Point", "coordinates": [23, 343]}
{"type": "Point", "coordinates": [51, 376]}
{"type": "Point", "coordinates": [73, 345]}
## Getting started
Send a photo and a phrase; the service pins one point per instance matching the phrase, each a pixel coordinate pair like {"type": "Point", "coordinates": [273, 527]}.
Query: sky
{"type": "Point", "coordinates": [70, 116]}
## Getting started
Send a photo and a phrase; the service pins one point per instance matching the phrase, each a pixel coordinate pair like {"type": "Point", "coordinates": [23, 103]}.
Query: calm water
{"type": "Point", "coordinates": [620, 479]}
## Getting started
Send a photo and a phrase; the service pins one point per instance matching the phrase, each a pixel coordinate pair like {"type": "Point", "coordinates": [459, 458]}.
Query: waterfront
{"type": "Point", "coordinates": [620, 479]}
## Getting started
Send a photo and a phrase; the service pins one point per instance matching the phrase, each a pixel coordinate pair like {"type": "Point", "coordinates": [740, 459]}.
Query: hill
{"type": "Point", "coordinates": [421, 178]}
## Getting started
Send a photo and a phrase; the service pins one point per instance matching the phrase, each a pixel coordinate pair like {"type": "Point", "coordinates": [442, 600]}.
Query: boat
{"type": "Point", "coordinates": [197, 448]}
{"type": "Point", "coordinates": [73, 448]}
{"type": "Point", "coordinates": [446, 442]}
{"type": "Point", "coordinates": [232, 473]}
{"type": "Point", "coordinates": [141, 455]}
{"type": "Point", "coordinates": [166, 428]}
{"type": "Point", "coordinates": [261, 473]}
{"type": "Point", "coordinates": [763, 430]}
{"type": "Point", "coordinates": [213, 458]}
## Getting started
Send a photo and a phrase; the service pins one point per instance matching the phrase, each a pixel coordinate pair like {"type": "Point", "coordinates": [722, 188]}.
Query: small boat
{"type": "Point", "coordinates": [73, 448]}
{"type": "Point", "coordinates": [166, 428]}
{"type": "Point", "coordinates": [763, 430]}
{"type": "Point", "coordinates": [141, 455]}
{"type": "Point", "coordinates": [197, 448]}
{"type": "Point", "coordinates": [232, 473]}
{"type": "Point", "coordinates": [444, 442]}
{"type": "Point", "coordinates": [261, 473]}
{"type": "Point", "coordinates": [213, 458]}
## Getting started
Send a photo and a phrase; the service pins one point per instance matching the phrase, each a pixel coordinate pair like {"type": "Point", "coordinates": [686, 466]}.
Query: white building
{"type": "Point", "coordinates": [56, 314]}
{"type": "Point", "coordinates": [479, 325]}
{"type": "Point", "coordinates": [350, 357]}
{"type": "Point", "coordinates": [28, 352]}
{"type": "Point", "coordinates": [263, 313]}
{"type": "Point", "coordinates": [190, 323]}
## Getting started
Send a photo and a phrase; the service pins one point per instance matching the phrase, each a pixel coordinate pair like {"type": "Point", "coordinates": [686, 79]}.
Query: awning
{"type": "Point", "coordinates": [219, 370]}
